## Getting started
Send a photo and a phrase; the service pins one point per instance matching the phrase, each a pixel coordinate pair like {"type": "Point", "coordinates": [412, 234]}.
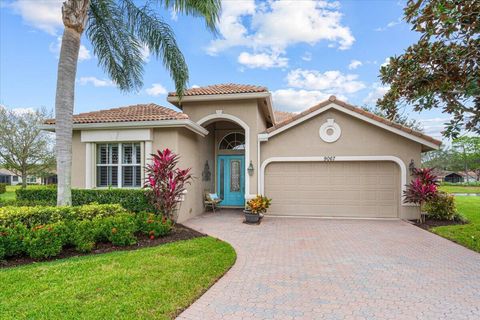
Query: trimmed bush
{"type": "Point", "coordinates": [45, 241]}
{"type": "Point", "coordinates": [153, 225]}
{"type": "Point", "coordinates": [24, 203]}
{"type": "Point", "coordinates": [119, 230]}
{"type": "Point", "coordinates": [40, 215]}
{"type": "Point", "coordinates": [133, 200]}
{"type": "Point", "coordinates": [82, 235]}
{"type": "Point", "coordinates": [11, 240]}
{"type": "Point", "coordinates": [3, 188]}
{"type": "Point", "coordinates": [442, 207]}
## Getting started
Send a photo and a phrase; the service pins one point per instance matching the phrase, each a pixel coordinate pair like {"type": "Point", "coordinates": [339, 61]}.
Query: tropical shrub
{"type": "Point", "coordinates": [133, 200]}
{"type": "Point", "coordinates": [82, 235]}
{"type": "Point", "coordinates": [442, 207]}
{"type": "Point", "coordinates": [3, 188]}
{"type": "Point", "coordinates": [40, 215]}
{"type": "Point", "coordinates": [11, 241]}
{"type": "Point", "coordinates": [166, 183]}
{"type": "Point", "coordinates": [119, 230]}
{"type": "Point", "coordinates": [258, 205]}
{"type": "Point", "coordinates": [45, 241]}
{"type": "Point", "coordinates": [153, 225]}
{"type": "Point", "coordinates": [422, 188]}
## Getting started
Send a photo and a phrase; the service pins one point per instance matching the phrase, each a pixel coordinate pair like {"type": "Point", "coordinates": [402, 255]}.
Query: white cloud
{"type": "Point", "coordinates": [262, 60]}
{"type": "Point", "coordinates": [96, 82]}
{"type": "Point", "coordinates": [273, 26]}
{"type": "Point", "coordinates": [145, 53]}
{"type": "Point", "coordinates": [376, 93]}
{"type": "Point", "coordinates": [354, 64]}
{"type": "Point", "coordinates": [307, 56]}
{"type": "Point", "coordinates": [156, 89]}
{"type": "Point", "coordinates": [389, 25]}
{"type": "Point", "coordinates": [386, 62]}
{"type": "Point", "coordinates": [45, 15]}
{"type": "Point", "coordinates": [18, 111]}
{"type": "Point", "coordinates": [330, 81]}
{"type": "Point", "coordinates": [195, 86]}
{"type": "Point", "coordinates": [83, 54]}
{"type": "Point", "coordinates": [297, 100]}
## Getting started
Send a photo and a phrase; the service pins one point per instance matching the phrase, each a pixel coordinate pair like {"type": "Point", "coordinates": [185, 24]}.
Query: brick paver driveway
{"type": "Point", "coordinates": [338, 269]}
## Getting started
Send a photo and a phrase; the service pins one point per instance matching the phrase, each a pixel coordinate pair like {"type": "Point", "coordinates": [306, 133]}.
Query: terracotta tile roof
{"type": "Point", "coordinates": [138, 112]}
{"type": "Point", "coordinates": [283, 115]}
{"type": "Point", "coordinates": [227, 88]}
{"type": "Point", "coordinates": [357, 110]}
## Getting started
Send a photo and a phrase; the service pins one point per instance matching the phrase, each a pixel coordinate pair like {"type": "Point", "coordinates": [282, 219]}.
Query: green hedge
{"type": "Point", "coordinates": [40, 215]}
{"type": "Point", "coordinates": [133, 200]}
{"type": "Point", "coordinates": [3, 188]}
{"type": "Point", "coordinates": [42, 232]}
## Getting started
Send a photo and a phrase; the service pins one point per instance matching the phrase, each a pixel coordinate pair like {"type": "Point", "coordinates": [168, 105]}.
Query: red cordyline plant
{"type": "Point", "coordinates": [166, 183]}
{"type": "Point", "coordinates": [423, 188]}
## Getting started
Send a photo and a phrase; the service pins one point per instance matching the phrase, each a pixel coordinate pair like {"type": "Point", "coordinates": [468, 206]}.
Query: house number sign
{"type": "Point", "coordinates": [329, 158]}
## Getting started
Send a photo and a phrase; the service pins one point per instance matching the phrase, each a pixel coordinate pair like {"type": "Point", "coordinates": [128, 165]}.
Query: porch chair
{"type": "Point", "coordinates": [212, 200]}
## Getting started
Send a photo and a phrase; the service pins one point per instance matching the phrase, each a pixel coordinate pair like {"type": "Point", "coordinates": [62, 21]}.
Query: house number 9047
{"type": "Point", "coordinates": [329, 158]}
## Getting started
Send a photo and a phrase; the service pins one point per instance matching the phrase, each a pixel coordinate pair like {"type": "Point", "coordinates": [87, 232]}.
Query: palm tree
{"type": "Point", "coordinates": [118, 30]}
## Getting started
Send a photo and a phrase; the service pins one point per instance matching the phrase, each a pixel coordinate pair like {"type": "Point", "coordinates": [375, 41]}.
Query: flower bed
{"type": "Point", "coordinates": [43, 232]}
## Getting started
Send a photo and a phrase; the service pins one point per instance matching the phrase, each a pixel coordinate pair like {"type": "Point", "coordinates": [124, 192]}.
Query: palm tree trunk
{"type": "Point", "coordinates": [74, 14]}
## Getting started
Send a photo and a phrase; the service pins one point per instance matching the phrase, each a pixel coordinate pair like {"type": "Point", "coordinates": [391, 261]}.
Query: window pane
{"type": "Point", "coordinates": [107, 176]}
{"type": "Point", "coordinates": [113, 179]}
{"type": "Point", "coordinates": [138, 176]}
{"type": "Point", "coordinates": [102, 176]}
{"type": "Point", "coordinates": [233, 141]}
{"type": "Point", "coordinates": [127, 176]}
{"type": "Point", "coordinates": [138, 154]}
{"type": "Point", "coordinates": [102, 153]}
{"type": "Point", "coordinates": [114, 153]}
{"type": "Point", "coordinates": [235, 175]}
{"type": "Point", "coordinates": [222, 178]}
{"type": "Point", "coordinates": [127, 153]}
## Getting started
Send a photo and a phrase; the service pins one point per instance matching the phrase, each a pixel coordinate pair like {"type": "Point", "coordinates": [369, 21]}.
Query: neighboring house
{"type": "Point", "coordinates": [10, 178]}
{"type": "Point", "coordinates": [456, 177]}
{"type": "Point", "coordinates": [453, 177]}
{"type": "Point", "coordinates": [332, 160]}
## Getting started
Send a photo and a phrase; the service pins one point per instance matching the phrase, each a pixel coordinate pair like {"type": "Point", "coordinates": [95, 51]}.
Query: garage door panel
{"type": "Point", "coordinates": [336, 189]}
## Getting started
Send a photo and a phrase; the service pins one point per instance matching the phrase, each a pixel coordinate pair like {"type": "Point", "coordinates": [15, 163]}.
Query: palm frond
{"type": "Point", "coordinates": [151, 30]}
{"type": "Point", "coordinates": [208, 9]}
{"type": "Point", "coordinates": [117, 49]}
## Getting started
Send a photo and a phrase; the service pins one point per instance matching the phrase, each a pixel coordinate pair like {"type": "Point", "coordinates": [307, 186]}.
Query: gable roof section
{"type": "Point", "coordinates": [138, 112]}
{"type": "Point", "coordinates": [225, 88]}
{"type": "Point", "coordinates": [332, 102]}
{"type": "Point", "coordinates": [281, 116]}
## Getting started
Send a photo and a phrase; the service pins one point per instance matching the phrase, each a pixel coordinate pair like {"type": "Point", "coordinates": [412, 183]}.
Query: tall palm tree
{"type": "Point", "coordinates": [118, 30]}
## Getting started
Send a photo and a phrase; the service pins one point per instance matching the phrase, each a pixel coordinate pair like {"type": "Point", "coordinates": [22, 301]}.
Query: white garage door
{"type": "Point", "coordinates": [333, 189]}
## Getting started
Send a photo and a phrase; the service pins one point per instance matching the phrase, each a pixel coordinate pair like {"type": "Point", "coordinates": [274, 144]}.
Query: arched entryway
{"type": "Point", "coordinates": [226, 149]}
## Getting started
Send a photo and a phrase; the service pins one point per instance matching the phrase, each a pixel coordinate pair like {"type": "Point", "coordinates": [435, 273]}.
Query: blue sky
{"type": "Point", "coordinates": [303, 51]}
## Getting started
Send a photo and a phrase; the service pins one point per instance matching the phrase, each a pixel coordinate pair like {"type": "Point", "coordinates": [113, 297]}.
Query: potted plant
{"type": "Point", "coordinates": [421, 189]}
{"type": "Point", "coordinates": [255, 208]}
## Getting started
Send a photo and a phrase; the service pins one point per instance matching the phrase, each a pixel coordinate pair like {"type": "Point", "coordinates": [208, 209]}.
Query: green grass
{"type": "Point", "coordinates": [467, 235]}
{"type": "Point", "coordinates": [460, 189]}
{"type": "Point", "coordinates": [10, 194]}
{"type": "Point", "coordinates": [150, 283]}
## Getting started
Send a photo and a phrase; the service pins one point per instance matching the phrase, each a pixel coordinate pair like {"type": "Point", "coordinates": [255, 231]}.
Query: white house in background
{"type": "Point", "coordinates": [10, 178]}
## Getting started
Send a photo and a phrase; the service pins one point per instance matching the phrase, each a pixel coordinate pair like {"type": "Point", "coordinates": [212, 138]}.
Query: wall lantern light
{"type": "Point", "coordinates": [411, 167]}
{"type": "Point", "coordinates": [250, 169]}
{"type": "Point", "coordinates": [206, 172]}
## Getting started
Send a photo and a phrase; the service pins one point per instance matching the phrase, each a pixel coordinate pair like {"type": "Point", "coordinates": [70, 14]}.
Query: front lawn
{"type": "Point", "coordinates": [152, 283]}
{"type": "Point", "coordinates": [10, 194]}
{"type": "Point", "coordinates": [460, 189]}
{"type": "Point", "coordinates": [467, 235]}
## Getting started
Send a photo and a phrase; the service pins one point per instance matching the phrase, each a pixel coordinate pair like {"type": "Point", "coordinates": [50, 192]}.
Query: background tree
{"type": "Point", "coordinates": [117, 30]}
{"type": "Point", "coordinates": [441, 70]}
{"type": "Point", "coordinates": [467, 154]}
{"type": "Point", "coordinates": [24, 148]}
{"type": "Point", "coordinates": [402, 119]}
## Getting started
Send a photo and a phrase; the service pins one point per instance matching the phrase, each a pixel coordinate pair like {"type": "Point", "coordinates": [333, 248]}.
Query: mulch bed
{"type": "Point", "coordinates": [428, 224]}
{"type": "Point", "coordinates": [180, 232]}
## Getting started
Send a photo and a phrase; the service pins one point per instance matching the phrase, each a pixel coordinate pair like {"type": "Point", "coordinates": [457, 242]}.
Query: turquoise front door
{"type": "Point", "coordinates": [231, 179]}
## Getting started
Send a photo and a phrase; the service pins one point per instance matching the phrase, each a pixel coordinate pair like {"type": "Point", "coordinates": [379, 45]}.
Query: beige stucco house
{"type": "Point", "coordinates": [332, 160]}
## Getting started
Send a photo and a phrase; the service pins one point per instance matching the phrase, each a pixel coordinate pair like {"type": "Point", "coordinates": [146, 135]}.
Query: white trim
{"type": "Point", "coordinates": [205, 120]}
{"type": "Point", "coordinates": [331, 125]}
{"type": "Point", "coordinates": [184, 123]}
{"type": "Point", "coordinates": [401, 164]}
{"type": "Point", "coordinates": [125, 135]}
{"type": "Point", "coordinates": [218, 97]}
{"type": "Point", "coordinates": [89, 164]}
{"type": "Point", "coordinates": [335, 106]}
{"type": "Point", "coordinates": [148, 152]}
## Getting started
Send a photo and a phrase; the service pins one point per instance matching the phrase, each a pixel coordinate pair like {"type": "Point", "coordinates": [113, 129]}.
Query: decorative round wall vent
{"type": "Point", "coordinates": [330, 131]}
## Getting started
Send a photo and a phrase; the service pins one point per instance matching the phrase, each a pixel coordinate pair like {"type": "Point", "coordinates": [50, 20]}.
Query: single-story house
{"type": "Point", "coordinates": [331, 160]}
{"type": "Point", "coordinates": [10, 178]}
{"type": "Point", "coordinates": [455, 176]}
